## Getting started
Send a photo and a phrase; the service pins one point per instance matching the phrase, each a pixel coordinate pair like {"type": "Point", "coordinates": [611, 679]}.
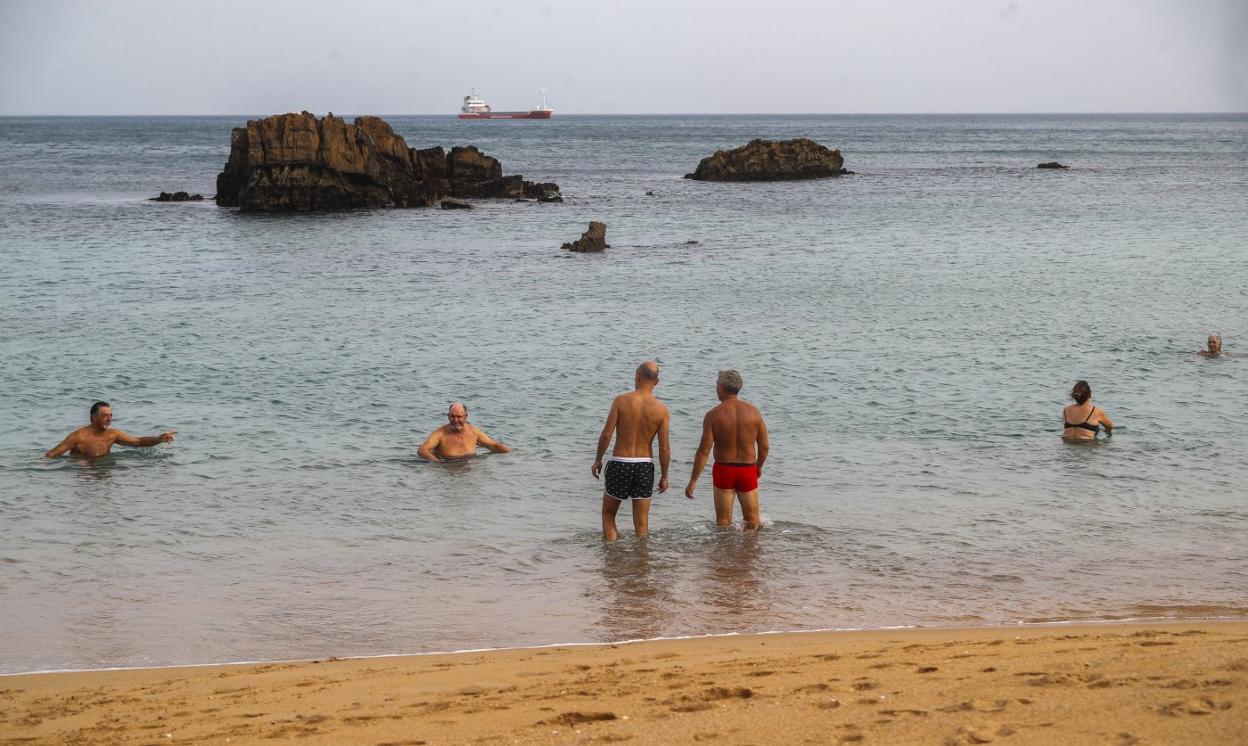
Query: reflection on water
{"type": "Point", "coordinates": [733, 584]}
{"type": "Point", "coordinates": [637, 600]}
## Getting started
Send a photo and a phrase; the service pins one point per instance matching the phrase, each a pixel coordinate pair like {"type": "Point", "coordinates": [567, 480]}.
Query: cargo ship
{"type": "Point", "coordinates": [475, 107]}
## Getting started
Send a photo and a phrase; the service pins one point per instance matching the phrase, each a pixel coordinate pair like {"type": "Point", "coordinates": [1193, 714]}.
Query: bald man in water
{"type": "Point", "coordinates": [457, 439]}
{"type": "Point", "coordinates": [99, 437]}
{"type": "Point", "coordinates": [635, 419]}
{"type": "Point", "coordinates": [739, 435]}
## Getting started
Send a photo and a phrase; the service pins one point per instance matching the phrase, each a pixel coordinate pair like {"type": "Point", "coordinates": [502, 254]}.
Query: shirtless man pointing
{"type": "Point", "coordinates": [737, 431]}
{"type": "Point", "coordinates": [457, 439]}
{"type": "Point", "coordinates": [98, 438]}
{"type": "Point", "coordinates": [635, 419]}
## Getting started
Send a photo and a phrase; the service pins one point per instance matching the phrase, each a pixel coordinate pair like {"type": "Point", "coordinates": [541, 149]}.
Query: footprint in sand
{"type": "Point", "coordinates": [692, 707]}
{"type": "Point", "coordinates": [576, 718]}
{"type": "Point", "coordinates": [976, 705]}
{"type": "Point", "coordinates": [1201, 706]}
{"type": "Point", "coordinates": [980, 733]}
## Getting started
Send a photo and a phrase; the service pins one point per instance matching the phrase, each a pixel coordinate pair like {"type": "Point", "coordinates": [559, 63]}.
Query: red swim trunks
{"type": "Point", "coordinates": [737, 477]}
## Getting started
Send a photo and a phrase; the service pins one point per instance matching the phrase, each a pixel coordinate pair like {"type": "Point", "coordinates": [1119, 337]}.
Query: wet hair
{"type": "Point", "coordinates": [460, 403]}
{"type": "Point", "coordinates": [95, 408]}
{"type": "Point", "coordinates": [648, 370]}
{"type": "Point", "coordinates": [730, 380]}
{"type": "Point", "coordinates": [1081, 392]}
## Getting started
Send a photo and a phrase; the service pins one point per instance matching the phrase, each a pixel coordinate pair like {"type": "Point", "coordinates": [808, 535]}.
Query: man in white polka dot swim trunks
{"type": "Point", "coordinates": [635, 419]}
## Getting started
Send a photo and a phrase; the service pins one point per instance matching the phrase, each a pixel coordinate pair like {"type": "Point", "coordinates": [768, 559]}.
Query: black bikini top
{"type": "Point", "coordinates": [1084, 424]}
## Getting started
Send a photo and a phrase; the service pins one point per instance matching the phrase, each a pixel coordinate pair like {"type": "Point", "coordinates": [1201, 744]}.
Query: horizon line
{"type": "Point", "coordinates": [669, 114]}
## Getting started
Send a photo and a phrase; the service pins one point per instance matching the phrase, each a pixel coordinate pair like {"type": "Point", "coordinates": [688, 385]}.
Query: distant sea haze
{"type": "Point", "coordinates": [910, 332]}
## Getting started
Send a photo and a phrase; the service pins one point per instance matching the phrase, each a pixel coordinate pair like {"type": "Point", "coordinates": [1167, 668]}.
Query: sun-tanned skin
{"type": "Point", "coordinates": [457, 439]}
{"type": "Point", "coordinates": [98, 438]}
{"type": "Point", "coordinates": [739, 435]}
{"type": "Point", "coordinates": [635, 419]}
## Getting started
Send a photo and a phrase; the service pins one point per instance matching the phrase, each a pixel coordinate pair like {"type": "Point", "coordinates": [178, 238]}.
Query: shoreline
{"type": "Point", "coordinates": [1174, 681]}
{"type": "Point", "coordinates": [1131, 621]}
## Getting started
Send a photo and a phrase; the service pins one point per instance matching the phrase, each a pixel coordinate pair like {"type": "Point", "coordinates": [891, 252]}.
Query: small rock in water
{"type": "Point", "coordinates": [454, 204]}
{"type": "Point", "coordinates": [594, 239]}
{"type": "Point", "coordinates": [176, 197]}
{"type": "Point", "coordinates": [1051, 164]}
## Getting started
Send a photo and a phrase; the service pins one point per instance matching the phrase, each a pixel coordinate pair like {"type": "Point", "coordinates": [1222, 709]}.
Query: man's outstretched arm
{"type": "Point", "coordinates": [147, 440]}
{"type": "Point", "coordinates": [604, 439]}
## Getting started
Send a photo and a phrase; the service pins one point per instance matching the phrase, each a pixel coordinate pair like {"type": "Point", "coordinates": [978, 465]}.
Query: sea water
{"type": "Point", "coordinates": [910, 332]}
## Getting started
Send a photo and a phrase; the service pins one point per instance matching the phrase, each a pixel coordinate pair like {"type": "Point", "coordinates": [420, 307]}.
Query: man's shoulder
{"type": "Point", "coordinates": [635, 398]}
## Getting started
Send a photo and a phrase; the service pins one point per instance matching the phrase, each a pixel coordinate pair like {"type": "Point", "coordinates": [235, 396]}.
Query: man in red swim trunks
{"type": "Point", "coordinates": [739, 435]}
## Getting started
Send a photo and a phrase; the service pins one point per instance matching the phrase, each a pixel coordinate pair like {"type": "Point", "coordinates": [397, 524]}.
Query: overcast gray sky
{"type": "Point", "coordinates": [623, 57]}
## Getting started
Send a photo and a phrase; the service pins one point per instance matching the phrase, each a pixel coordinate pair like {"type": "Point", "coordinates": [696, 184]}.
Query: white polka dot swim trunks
{"type": "Point", "coordinates": [629, 478]}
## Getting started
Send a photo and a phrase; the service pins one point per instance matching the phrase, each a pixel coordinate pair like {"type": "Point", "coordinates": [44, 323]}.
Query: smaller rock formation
{"type": "Point", "coordinates": [764, 160]}
{"type": "Point", "coordinates": [1051, 164]}
{"type": "Point", "coordinates": [594, 239]}
{"type": "Point", "coordinates": [453, 204]}
{"type": "Point", "coordinates": [176, 197]}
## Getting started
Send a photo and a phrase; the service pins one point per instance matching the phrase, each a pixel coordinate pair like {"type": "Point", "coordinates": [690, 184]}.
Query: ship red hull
{"type": "Point", "coordinates": [535, 114]}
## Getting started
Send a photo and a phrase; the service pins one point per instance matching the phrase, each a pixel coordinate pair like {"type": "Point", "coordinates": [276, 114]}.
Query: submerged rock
{"type": "Point", "coordinates": [297, 162]}
{"type": "Point", "coordinates": [1051, 164]}
{"type": "Point", "coordinates": [454, 204]}
{"type": "Point", "coordinates": [764, 160]}
{"type": "Point", "coordinates": [594, 239]}
{"type": "Point", "coordinates": [176, 197]}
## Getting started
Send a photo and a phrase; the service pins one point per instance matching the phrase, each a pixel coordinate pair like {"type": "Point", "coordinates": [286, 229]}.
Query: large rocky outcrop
{"type": "Point", "coordinates": [764, 160]}
{"type": "Point", "coordinates": [297, 162]}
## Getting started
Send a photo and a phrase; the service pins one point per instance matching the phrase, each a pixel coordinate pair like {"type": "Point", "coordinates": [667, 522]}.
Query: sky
{"type": "Point", "coordinates": [623, 56]}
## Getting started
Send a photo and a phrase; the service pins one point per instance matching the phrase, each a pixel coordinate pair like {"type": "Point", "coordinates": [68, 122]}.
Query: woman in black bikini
{"type": "Point", "coordinates": [1083, 419]}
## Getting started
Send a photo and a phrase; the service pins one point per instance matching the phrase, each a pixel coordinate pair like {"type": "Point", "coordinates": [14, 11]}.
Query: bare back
{"type": "Point", "coordinates": [737, 426]}
{"type": "Point", "coordinates": [638, 418]}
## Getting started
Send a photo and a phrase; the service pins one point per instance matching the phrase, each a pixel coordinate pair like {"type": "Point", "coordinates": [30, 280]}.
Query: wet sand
{"type": "Point", "coordinates": [1105, 684]}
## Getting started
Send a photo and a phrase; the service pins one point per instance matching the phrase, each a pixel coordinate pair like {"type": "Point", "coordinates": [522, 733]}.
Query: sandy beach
{"type": "Point", "coordinates": [1180, 683]}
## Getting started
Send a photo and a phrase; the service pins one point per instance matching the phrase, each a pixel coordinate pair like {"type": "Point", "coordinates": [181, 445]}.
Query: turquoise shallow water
{"type": "Point", "coordinates": [909, 332]}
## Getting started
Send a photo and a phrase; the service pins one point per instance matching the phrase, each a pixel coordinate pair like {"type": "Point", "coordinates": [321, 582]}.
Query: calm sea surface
{"type": "Point", "coordinates": [910, 333]}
